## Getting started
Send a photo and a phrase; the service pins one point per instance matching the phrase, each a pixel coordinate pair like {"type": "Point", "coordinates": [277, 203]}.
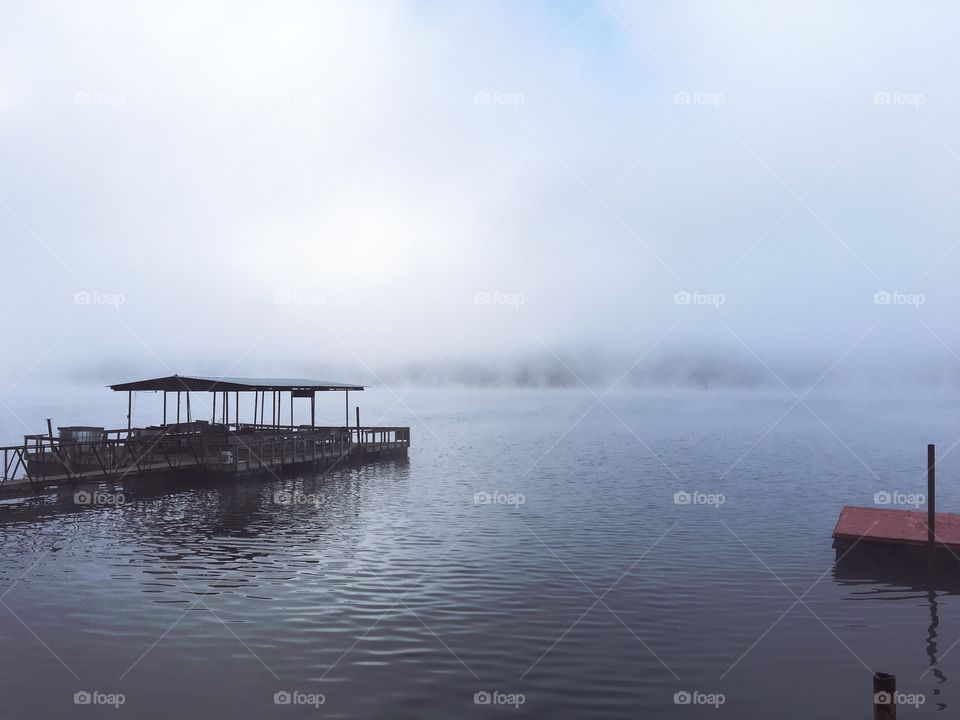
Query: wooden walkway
{"type": "Point", "coordinates": [230, 451]}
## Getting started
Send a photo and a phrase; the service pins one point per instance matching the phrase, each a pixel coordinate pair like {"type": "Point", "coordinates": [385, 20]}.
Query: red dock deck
{"type": "Point", "coordinates": [869, 526]}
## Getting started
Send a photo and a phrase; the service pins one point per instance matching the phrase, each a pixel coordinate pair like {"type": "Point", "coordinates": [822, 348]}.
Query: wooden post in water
{"type": "Point", "coordinates": [164, 408]}
{"type": "Point", "coordinates": [931, 506]}
{"type": "Point", "coordinates": [346, 408]}
{"type": "Point", "coordinates": [884, 696]}
{"type": "Point", "coordinates": [313, 409]}
{"type": "Point", "coordinates": [358, 423]}
{"type": "Point", "coordinates": [129, 410]}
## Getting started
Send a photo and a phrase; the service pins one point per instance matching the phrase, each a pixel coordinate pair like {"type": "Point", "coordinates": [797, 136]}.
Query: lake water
{"type": "Point", "coordinates": [583, 588]}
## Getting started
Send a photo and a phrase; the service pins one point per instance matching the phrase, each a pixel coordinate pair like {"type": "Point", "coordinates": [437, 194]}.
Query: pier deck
{"type": "Point", "coordinates": [892, 534]}
{"type": "Point", "coordinates": [45, 463]}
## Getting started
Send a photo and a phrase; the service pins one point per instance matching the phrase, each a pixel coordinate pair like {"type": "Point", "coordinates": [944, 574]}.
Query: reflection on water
{"type": "Point", "coordinates": [389, 591]}
{"type": "Point", "coordinates": [932, 645]}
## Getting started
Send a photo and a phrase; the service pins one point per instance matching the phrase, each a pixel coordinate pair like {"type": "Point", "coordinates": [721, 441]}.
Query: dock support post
{"type": "Point", "coordinates": [931, 506]}
{"type": "Point", "coordinates": [884, 696]}
{"type": "Point", "coordinates": [346, 408]}
{"type": "Point", "coordinates": [213, 415]}
{"type": "Point", "coordinates": [164, 408]}
{"type": "Point", "coordinates": [358, 420]}
{"type": "Point", "coordinates": [256, 400]}
{"type": "Point", "coordinates": [129, 410]}
{"type": "Point", "coordinates": [291, 418]}
{"type": "Point", "coordinates": [178, 407]}
{"type": "Point", "coordinates": [189, 418]}
{"type": "Point", "coordinates": [313, 409]}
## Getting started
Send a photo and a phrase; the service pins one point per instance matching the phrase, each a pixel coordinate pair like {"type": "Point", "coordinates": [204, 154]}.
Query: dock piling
{"type": "Point", "coordinates": [931, 505]}
{"type": "Point", "coordinates": [884, 696]}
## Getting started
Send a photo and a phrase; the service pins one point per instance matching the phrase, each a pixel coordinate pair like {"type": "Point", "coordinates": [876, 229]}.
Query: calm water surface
{"type": "Point", "coordinates": [394, 594]}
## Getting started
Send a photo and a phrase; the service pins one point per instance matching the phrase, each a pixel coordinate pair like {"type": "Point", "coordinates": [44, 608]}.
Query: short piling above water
{"type": "Point", "coordinates": [884, 696]}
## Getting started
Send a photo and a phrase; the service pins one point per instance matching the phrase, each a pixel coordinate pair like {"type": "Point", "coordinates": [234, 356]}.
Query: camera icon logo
{"type": "Point", "coordinates": [282, 697]}
{"type": "Point", "coordinates": [82, 698]}
{"type": "Point", "coordinates": [482, 698]}
{"type": "Point", "coordinates": [882, 498]}
{"type": "Point", "coordinates": [882, 698]}
{"type": "Point", "coordinates": [682, 698]}
{"type": "Point", "coordinates": [682, 498]}
{"type": "Point", "coordinates": [82, 497]}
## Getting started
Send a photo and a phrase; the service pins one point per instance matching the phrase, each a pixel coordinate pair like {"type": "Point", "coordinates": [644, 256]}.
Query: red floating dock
{"type": "Point", "coordinates": [894, 533]}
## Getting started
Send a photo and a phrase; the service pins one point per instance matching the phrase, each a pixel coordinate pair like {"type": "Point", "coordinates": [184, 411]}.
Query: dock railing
{"type": "Point", "coordinates": [236, 447]}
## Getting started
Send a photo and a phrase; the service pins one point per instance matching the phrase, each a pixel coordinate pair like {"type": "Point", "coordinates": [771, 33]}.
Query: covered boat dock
{"type": "Point", "coordinates": [229, 443]}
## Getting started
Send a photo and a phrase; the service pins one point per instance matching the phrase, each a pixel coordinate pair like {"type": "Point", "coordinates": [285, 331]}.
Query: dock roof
{"type": "Point", "coordinates": [201, 383]}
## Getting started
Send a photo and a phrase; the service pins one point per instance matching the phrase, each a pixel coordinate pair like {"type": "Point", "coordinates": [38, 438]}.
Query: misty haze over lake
{"type": "Point", "coordinates": [393, 185]}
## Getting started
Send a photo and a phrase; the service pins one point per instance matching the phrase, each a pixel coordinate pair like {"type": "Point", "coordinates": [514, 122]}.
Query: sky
{"type": "Point", "coordinates": [526, 192]}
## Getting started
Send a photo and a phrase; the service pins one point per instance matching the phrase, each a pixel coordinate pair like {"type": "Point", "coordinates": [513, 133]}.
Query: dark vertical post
{"type": "Point", "coordinates": [358, 420]}
{"type": "Point", "coordinates": [213, 416]}
{"type": "Point", "coordinates": [129, 410]}
{"type": "Point", "coordinates": [164, 408]}
{"type": "Point", "coordinates": [346, 408]}
{"type": "Point", "coordinates": [884, 696]}
{"type": "Point", "coordinates": [313, 409]}
{"type": "Point", "coordinates": [236, 408]}
{"type": "Point", "coordinates": [189, 417]}
{"type": "Point", "coordinates": [291, 409]}
{"type": "Point", "coordinates": [256, 404]}
{"type": "Point", "coordinates": [178, 407]}
{"type": "Point", "coordinates": [50, 428]}
{"type": "Point", "coordinates": [226, 408]}
{"type": "Point", "coordinates": [931, 505]}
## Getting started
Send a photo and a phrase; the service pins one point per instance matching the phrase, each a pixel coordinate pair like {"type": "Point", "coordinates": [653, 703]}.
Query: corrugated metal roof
{"type": "Point", "coordinates": [203, 383]}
